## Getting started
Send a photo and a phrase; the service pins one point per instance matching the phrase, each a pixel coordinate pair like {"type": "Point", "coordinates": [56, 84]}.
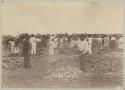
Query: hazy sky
{"type": "Point", "coordinates": [61, 17]}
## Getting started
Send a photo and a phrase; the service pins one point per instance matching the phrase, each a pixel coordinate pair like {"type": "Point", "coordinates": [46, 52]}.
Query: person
{"type": "Point", "coordinates": [51, 47]}
{"type": "Point", "coordinates": [83, 55]}
{"type": "Point", "coordinates": [75, 42]}
{"type": "Point", "coordinates": [71, 43]}
{"type": "Point", "coordinates": [80, 44]}
{"type": "Point", "coordinates": [61, 42]}
{"type": "Point", "coordinates": [55, 46]}
{"type": "Point", "coordinates": [106, 42]}
{"type": "Point", "coordinates": [33, 44]}
{"type": "Point", "coordinates": [113, 42]}
{"type": "Point", "coordinates": [12, 46]}
{"type": "Point", "coordinates": [16, 48]}
{"type": "Point", "coordinates": [26, 51]}
{"type": "Point", "coordinates": [100, 42]}
{"type": "Point", "coordinates": [90, 44]}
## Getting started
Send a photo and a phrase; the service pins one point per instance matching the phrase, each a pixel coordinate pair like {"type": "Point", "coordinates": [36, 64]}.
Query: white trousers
{"type": "Point", "coordinates": [90, 49]}
{"type": "Point", "coordinates": [33, 48]}
{"type": "Point", "coordinates": [51, 51]}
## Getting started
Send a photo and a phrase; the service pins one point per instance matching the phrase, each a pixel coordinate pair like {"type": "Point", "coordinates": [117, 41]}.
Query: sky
{"type": "Point", "coordinates": [61, 17]}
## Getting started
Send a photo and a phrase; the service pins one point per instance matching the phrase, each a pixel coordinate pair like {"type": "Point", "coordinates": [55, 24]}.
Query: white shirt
{"type": "Point", "coordinates": [86, 46]}
{"type": "Point", "coordinates": [38, 39]}
{"type": "Point", "coordinates": [99, 39]}
{"type": "Point", "coordinates": [80, 45]}
{"type": "Point", "coordinates": [113, 38]}
{"type": "Point", "coordinates": [32, 40]}
{"type": "Point", "coordinates": [90, 40]}
{"type": "Point", "coordinates": [12, 43]}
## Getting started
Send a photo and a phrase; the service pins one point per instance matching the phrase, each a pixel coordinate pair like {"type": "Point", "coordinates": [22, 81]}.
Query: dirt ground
{"type": "Point", "coordinates": [96, 77]}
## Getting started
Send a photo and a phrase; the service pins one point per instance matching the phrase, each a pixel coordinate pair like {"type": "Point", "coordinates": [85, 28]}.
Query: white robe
{"type": "Point", "coordinates": [12, 46]}
{"type": "Point", "coordinates": [90, 45]}
{"type": "Point", "coordinates": [51, 48]}
{"type": "Point", "coordinates": [86, 47]}
{"type": "Point", "coordinates": [33, 45]}
{"type": "Point", "coordinates": [81, 45]}
{"type": "Point", "coordinates": [71, 43]}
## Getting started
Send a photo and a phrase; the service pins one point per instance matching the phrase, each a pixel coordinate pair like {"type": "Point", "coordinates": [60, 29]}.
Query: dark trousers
{"type": "Point", "coordinates": [27, 61]}
{"type": "Point", "coordinates": [83, 59]}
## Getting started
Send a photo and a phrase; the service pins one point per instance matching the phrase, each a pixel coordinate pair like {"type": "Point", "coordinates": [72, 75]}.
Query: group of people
{"type": "Point", "coordinates": [85, 43]}
{"type": "Point", "coordinates": [15, 45]}
{"type": "Point", "coordinates": [27, 45]}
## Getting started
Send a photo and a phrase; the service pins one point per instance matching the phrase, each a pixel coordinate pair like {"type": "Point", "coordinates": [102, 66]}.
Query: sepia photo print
{"type": "Point", "coordinates": [62, 44]}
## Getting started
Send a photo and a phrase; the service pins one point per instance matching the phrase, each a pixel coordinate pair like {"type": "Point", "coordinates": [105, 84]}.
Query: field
{"type": "Point", "coordinates": [104, 69]}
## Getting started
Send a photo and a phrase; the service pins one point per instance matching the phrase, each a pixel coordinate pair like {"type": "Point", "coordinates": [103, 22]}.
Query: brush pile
{"type": "Point", "coordinates": [65, 74]}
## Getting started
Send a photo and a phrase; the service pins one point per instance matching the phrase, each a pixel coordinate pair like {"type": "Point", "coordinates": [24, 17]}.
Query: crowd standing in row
{"type": "Point", "coordinates": [28, 45]}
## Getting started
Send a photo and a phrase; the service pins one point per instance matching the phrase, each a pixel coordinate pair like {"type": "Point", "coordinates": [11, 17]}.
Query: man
{"type": "Point", "coordinates": [16, 49]}
{"type": "Point", "coordinates": [90, 44]}
{"type": "Point", "coordinates": [83, 56]}
{"type": "Point", "coordinates": [51, 47]}
{"type": "Point", "coordinates": [26, 49]}
{"type": "Point", "coordinates": [71, 42]}
{"type": "Point", "coordinates": [106, 42]}
{"type": "Point", "coordinates": [80, 45]}
{"type": "Point", "coordinates": [100, 42]}
{"type": "Point", "coordinates": [12, 46]}
{"type": "Point", "coordinates": [57, 45]}
{"type": "Point", "coordinates": [33, 44]}
{"type": "Point", "coordinates": [113, 42]}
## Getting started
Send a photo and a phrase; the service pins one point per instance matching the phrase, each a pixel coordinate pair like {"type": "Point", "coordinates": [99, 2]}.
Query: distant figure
{"type": "Point", "coordinates": [26, 50]}
{"type": "Point", "coordinates": [80, 45]}
{"type": "Point", "coordinates": [33, 45]}
{"type": "Point", "coordinates": [100, 42]}
{"type": "Point", "coordinates": [71, 43]}
{"type": "Point", "coordinates": [57, 46]}
{"type": "Point", "coordinates": [16, 48]}
{"type": "Point", "coordinates": [106, 43]}
{"type": "Point", "coordinates": [75, 42]}
{"type": "Point", "coordinates": [90, 44]}
{"type": "Point", "coordinates": [51, 47]}
{"type": "Point", "coordinates": [12, 46]}
{"type": "Point", "coordinates": [84, 52]}
{"type": "Point", "coordinates": [113, 43]}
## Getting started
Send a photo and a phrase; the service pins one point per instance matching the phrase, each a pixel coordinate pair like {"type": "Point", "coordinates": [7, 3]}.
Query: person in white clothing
{"type": "Point", "coordinates": [12, 46]}
{"type": "Point", "coordinates": [106, 42]}
{"type": "Point", "coordinates": [51, 47]}
{"type": "Point", "coordinates": [71, 43]}
{"type": "Point", "coordinates": [83, 56]}
{"type": "Point", "coordinates": [80, 45]}
{"type": "Point", "coordinates": [90, 44]}
{"type": "Point", "coordinates": [75, 42]}
{"type": "Point", "coordinates": [100, 42]}
{"type": "Point", "coordinates": [113, 42]}
{"type": "Point", "coordinates": [33, 45]}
